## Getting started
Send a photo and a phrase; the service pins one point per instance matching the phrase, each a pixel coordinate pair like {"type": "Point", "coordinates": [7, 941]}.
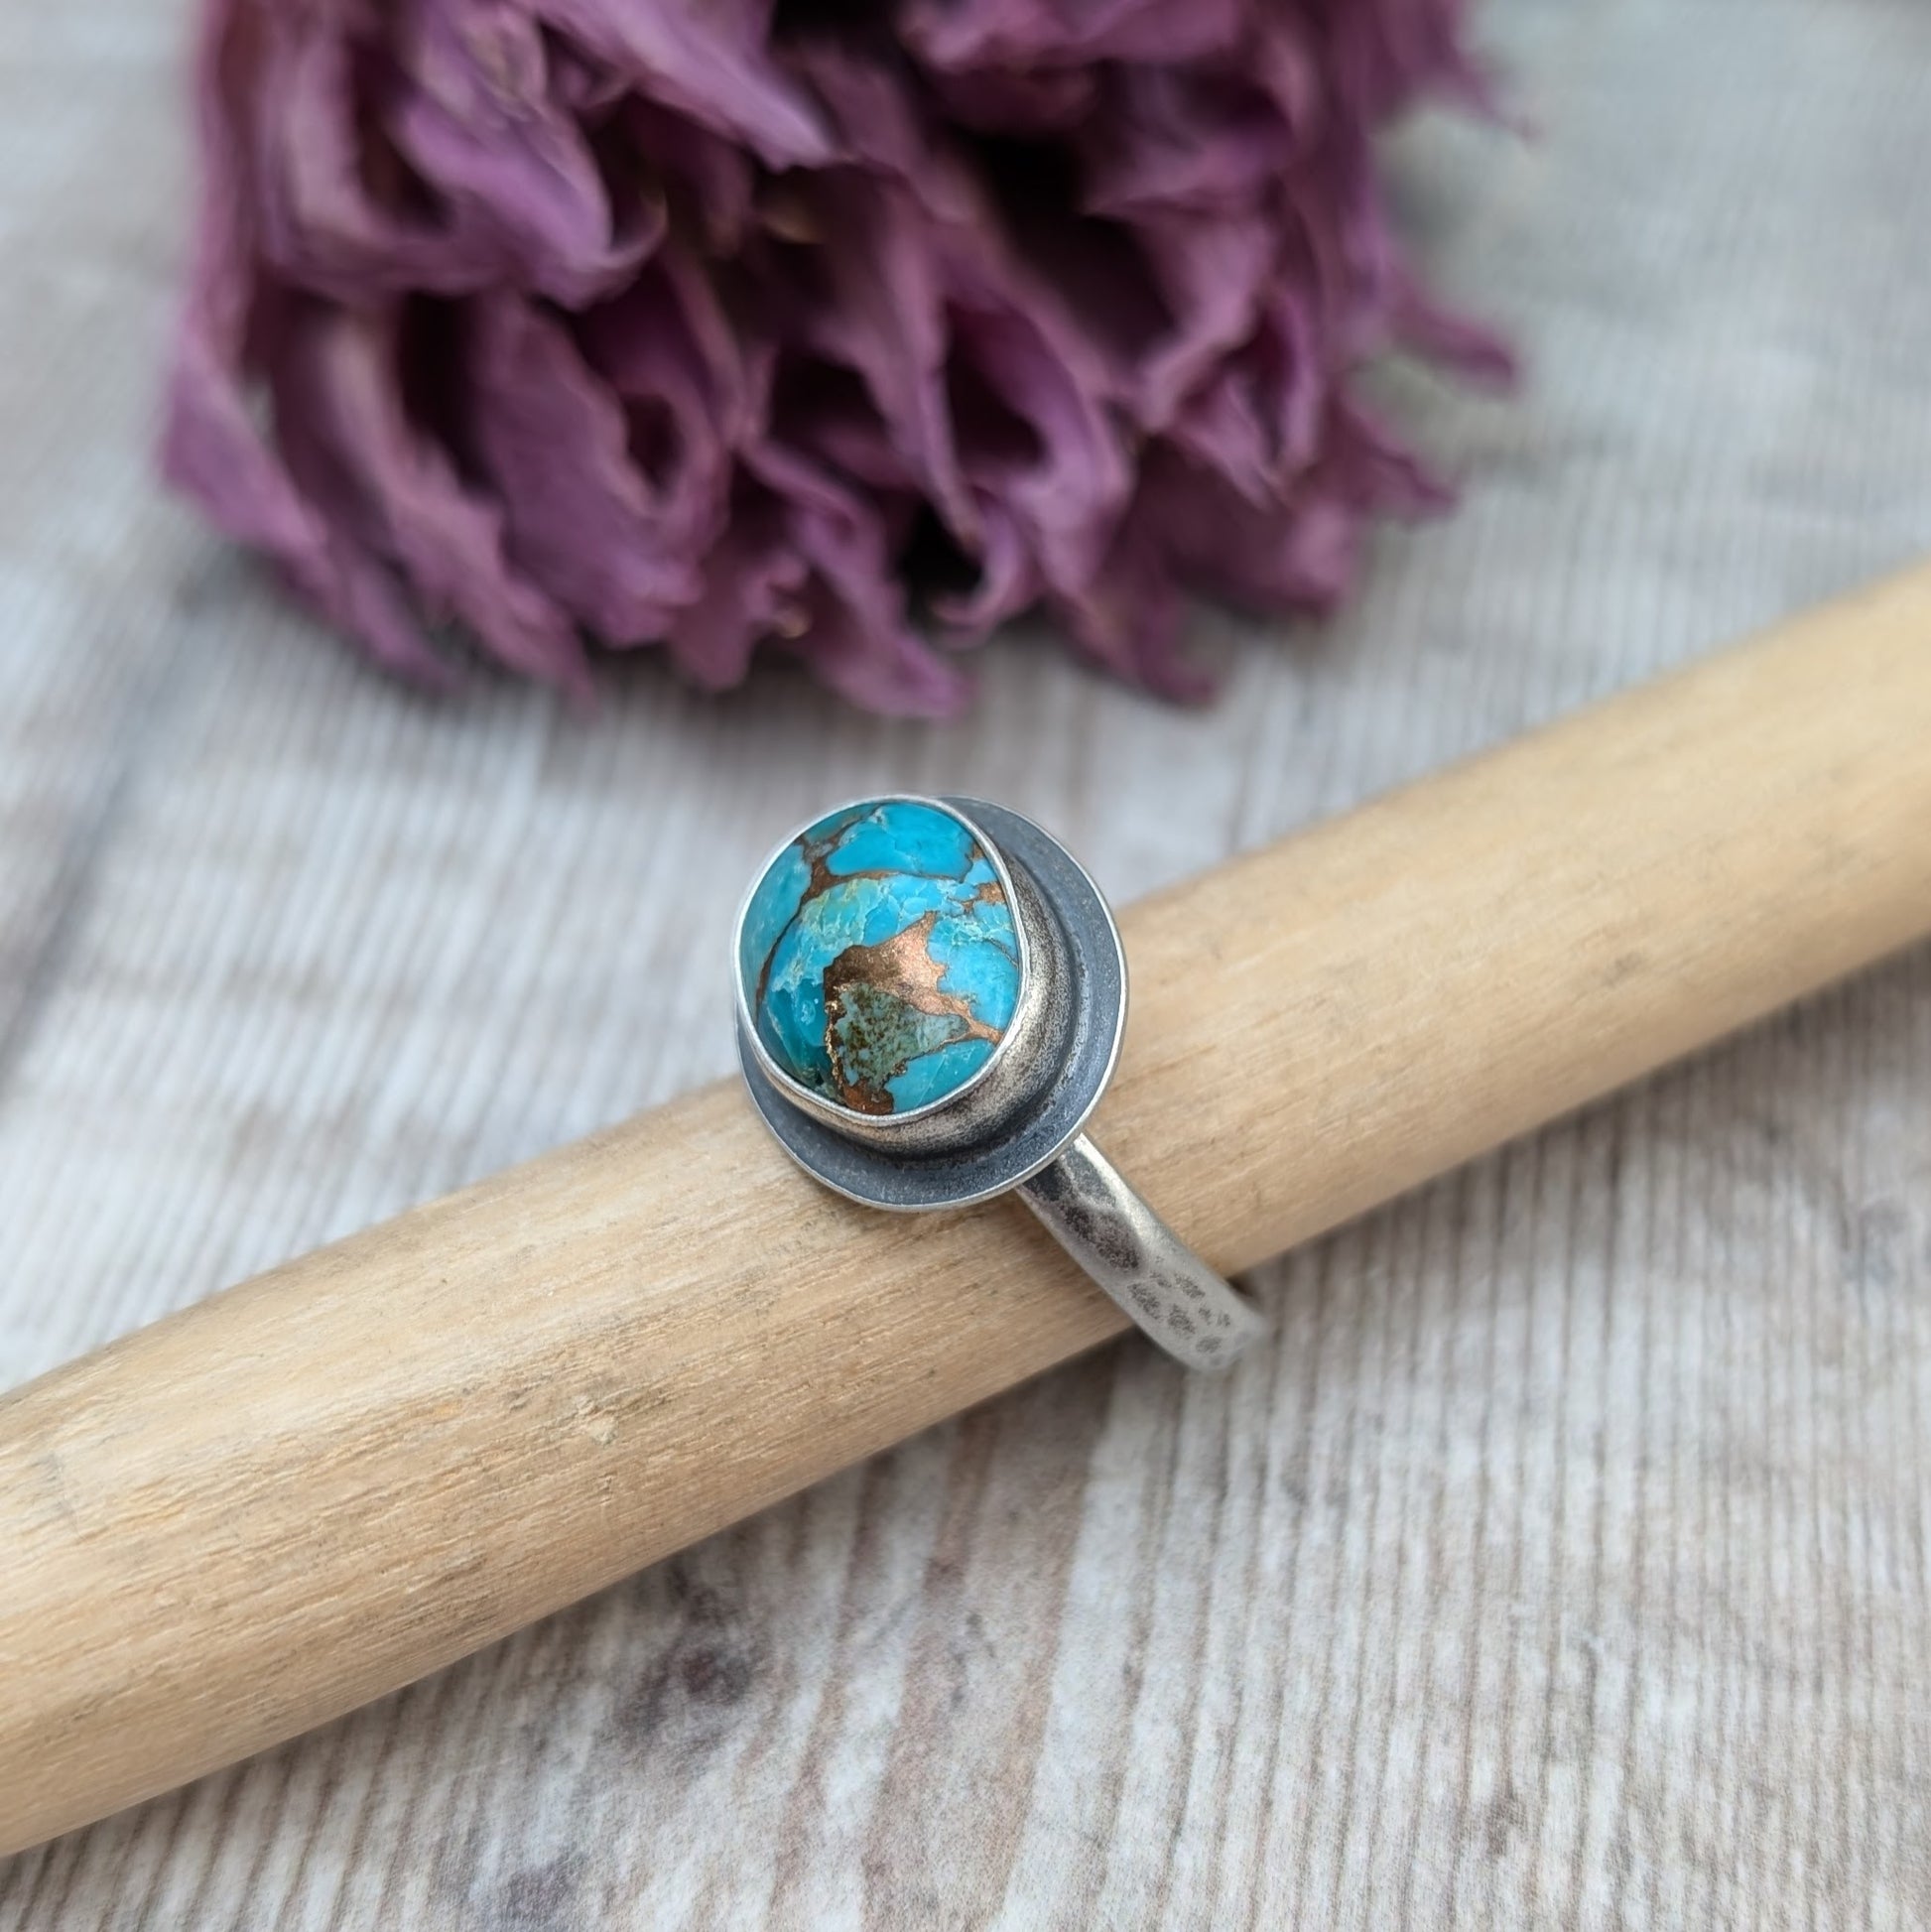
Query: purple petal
{"type": "Point", "coordinates": [754, 588]}
{"type": "Point", "coordinates": [1257, 419]}
{"type": "Point", "coordinates": [583, 521]}
{"type": "Point", "coordinates": [482, 126]}
{"type": "Point", "coordinates": [852, 628]}
{"type": "Point", "coordinates": [1176, 140]}
{"type": "Point", "coordinates": [884, 313]}
{"type": "Point", "coordinates": [688, 397]}
{"type": "Point", "coordinates": [392, 494]}
{"type": "Point", "coordinates": [340, 211]}
{"type": "Point", "coordinates": [706, 61]}
{"type": "Point", "coordinates": [716, 179]}
{"type": "Point", "coordinates": [1032, 431]}
{"type": "Point", "coordinates": [973, 35]}
{"type": "Point", "coordinates": [210, 446]}
{"type": "Point", "coordinates": [1009, 580]}
{"type": "Point", "coordinates": [1017, 100]}
{"type": "Point", "coordinates": [1470, 348]}
{"type": "Point", "coordinates": [1212, 274]}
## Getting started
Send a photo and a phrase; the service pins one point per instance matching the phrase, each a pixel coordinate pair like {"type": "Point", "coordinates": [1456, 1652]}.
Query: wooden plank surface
{"type": "Point", "coordinates": [1565, 1558]}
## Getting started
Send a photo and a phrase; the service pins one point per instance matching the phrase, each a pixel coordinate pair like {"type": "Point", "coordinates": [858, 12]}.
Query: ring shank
{"type": "Point", "coordinates": [1190, 1312]}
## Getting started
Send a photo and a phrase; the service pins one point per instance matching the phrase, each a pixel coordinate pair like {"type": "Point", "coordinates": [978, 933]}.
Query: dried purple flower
{"type": "Point", "coordinates": [719, 324]}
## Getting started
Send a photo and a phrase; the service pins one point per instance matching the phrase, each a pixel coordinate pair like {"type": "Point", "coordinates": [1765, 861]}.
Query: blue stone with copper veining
{"type": "Point", "coordinates": [878, 956]}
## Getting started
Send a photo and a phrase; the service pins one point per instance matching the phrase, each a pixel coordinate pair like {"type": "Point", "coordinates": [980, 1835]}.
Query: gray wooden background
{"type": "Point", "coordinates": [1564, 1561]}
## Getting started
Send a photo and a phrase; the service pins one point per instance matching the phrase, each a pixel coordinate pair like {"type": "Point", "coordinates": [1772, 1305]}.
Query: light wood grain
{"type": "Point", "coordinates": [1564, 1561]}
{"type": "Point", "coordinates": [307, 1492]}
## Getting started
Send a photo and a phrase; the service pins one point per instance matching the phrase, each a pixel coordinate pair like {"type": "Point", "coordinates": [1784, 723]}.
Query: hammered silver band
{"type": "Point", "coordinates": [1194, 1314]}
{"type": "Point", "coordinates": [1016, 1124]}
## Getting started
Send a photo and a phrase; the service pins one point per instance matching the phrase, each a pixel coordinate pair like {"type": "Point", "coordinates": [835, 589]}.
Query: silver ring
{"type": "Point", "coordinates": [931, 996]}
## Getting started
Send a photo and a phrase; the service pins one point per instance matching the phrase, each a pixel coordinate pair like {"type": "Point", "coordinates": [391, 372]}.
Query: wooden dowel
{"type": "Point", "coordinates": [316, 1486]}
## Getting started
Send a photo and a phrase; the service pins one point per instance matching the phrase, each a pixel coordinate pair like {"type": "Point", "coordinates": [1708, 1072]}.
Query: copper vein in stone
{"type": "Point", "coordinates": [879, 956]}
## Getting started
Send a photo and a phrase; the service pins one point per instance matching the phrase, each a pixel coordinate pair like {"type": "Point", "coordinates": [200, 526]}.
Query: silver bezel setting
{"type": "Point", "coordinates": [848, 1119]}
{"type": "Point", "coordinates": [985, 1137]}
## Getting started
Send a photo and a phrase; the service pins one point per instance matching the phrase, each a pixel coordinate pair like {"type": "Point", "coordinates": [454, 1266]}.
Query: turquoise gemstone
{"type": "Point", "coordinates": [878, 956]}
